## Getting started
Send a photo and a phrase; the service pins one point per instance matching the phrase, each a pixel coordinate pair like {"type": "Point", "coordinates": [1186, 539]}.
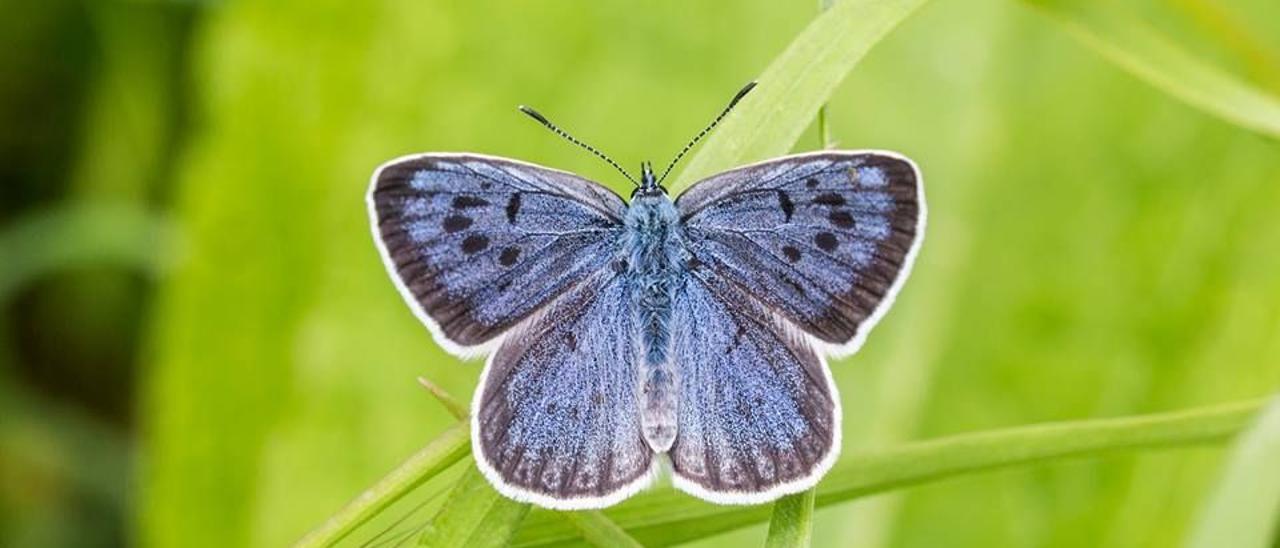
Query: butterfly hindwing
{"type": "Point", "coordinates": [825, 239]}
{"type": "Point", "coordinates": [556, 418]}
{"type": "Point", "coordinates": [758, 415]}
{"type": "Point", "coordinates": [477, 244]}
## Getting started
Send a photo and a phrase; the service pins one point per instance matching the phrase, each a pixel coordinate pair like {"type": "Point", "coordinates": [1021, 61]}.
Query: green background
{"type": "Point", "coordinates": [201, 346]}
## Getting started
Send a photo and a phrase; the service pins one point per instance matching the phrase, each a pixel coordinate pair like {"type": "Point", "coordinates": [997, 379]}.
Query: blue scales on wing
{"type": "Point", "coordinates": [758, 416]}
{"type": "Point", "coordinates": [477, 244]}
{"type": "Point", "coordinates": [557, 418]}
{"type": "Point", "coordinates": [824, 239]}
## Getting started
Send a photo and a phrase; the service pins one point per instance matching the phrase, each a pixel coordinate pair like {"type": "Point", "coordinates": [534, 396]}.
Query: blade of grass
{"type": "Point", "coordinates": [1245, 507]}
{"type": "Point", "coordinates": [1150, 56]}
{"type": "Point", "coordinates": [437, 456]}
{"type": "Point", "coordinates": [600, 530]}
{"type": "Point", "coordinates": [771, 119]}
{"type": "Point", "coordinates": [472, 503]}
{"type": "Point", "coordinates": [824, 131]}
{"type": "Point", "coordinates": [63, 238]}
{"type": "Point", "coordinates": [451, 404]}
{"type": "Point", "coordinates": [667, 517]}
{"type": "Point", "coordinates": [792, 522]}
{"type": "Point", "coordinates": [475, 516]}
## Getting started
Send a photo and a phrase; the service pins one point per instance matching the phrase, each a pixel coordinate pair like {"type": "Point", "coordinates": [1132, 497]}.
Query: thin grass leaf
{"type": "Point", "coordinates": [792, 522]}
{"type": "Point", "coordinates": [771, 119]}
{"type": "Point", "coordinates": [475, 516]}
{"type": "Point", "coordinates": [58, 239]}
{"type": "Point", "coordinates": [389, 536]}
{"type": "Point", "coordinates": [825, 140]}
{"type": "Point", "coordinates": [450, 403]}
{"type": "Point", "coordinates": [599, 530]}
{"type": "Point", "coordinates": [1144, 52]}
{"type": "Point", "coordinates": [1245, 507]}
{"type": "Point", "coordinates": [666, 517]}
{"type": "Point", "coordinates": [436, 457]}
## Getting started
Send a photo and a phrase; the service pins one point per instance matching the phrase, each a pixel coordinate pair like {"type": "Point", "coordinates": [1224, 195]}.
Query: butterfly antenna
{"type": "Point", "coordinates": [555, 129]}
{"type": "Point", "coordinates": [741, 93]}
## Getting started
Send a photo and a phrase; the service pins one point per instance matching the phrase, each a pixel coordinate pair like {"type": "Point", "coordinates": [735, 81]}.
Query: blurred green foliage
{"type": "Point", "coordinates": [1096, 248]}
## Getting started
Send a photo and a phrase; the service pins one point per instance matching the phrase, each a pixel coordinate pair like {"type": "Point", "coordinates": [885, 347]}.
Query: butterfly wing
{"type": "Point", "coordinates": [825, 239]}
{"type": "Point", "coordinates": [556, 418]}
{"type": "Point", "coordinates": [758, 414]}
{"type": "Point", "coordinates": [476, 244]}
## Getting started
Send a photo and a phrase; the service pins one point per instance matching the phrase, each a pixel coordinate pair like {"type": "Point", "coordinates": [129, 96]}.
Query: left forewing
{"type": "Point", "coordinates": [476, 243]}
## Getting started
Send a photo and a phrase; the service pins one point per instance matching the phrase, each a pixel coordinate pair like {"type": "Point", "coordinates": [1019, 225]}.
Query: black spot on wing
{"type": "Point", "coordinates": [791, 253]}
{"type": "Point", "coordinates": [825, 241]}
{"type": "Point", "coordinates": [475, 243]}
{"type": "Point", "coordinates": [784, 202]}
{"type": "Point", "coordinates": [841, 218]}
{"type": "Point", "coordinates": [509, 256]}
{"type": "Point", "coordinates": [620, 266]}
{"type": "Point", "coordinates": [454, 223]}
{"type": "Point", "coordinates": [829, 198]}
{"type": "Point", "coordinates": [513, 207]}
{"type": "Point", "coordinates": [464, 201]}
{"type": "Point", "coordinates": [811, 183]}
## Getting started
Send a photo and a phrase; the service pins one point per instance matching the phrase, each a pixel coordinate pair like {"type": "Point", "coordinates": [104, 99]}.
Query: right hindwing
{"type": "Point", "coordinates": [758, 414]}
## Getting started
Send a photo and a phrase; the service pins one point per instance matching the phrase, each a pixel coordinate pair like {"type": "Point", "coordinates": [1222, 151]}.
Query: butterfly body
{"type": "Point", "coordinates": [657, 266]}
{"type": "Point", "coordinates": [624, 334]}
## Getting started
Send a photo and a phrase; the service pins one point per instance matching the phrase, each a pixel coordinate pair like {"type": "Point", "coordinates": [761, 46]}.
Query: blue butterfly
{"type": "Point", "coordinates": [621, 332]}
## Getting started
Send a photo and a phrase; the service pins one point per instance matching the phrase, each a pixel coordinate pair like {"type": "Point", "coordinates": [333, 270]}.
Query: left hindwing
{"type": "Point", "coordinates": [825, 239]}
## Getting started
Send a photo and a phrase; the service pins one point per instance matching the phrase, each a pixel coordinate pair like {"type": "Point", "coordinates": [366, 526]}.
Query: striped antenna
{"type": "Point", "coordinates": [741, 93]}
{"type": "Point", "coordinates": [555, 129]}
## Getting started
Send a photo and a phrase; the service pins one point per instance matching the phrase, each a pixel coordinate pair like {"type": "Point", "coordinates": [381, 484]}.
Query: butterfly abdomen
{"type": "Point", "coordinates": [655, 248]}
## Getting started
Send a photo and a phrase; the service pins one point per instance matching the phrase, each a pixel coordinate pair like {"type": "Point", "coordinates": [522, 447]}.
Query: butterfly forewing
{"type": "Point", "coordinates": [824, 239]}
{"type": "Point", "coordinates": [476, 244]}
{"type": "Point", "coordinates": [557, 419]}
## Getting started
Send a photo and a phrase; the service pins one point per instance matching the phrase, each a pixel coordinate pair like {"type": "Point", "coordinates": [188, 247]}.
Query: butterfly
{"type": "Point", "coordinates": [622, 335]}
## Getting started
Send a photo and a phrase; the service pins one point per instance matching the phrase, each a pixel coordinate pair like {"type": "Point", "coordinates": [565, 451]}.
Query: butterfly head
{"type": "Point", "coordinates": [649, 184]}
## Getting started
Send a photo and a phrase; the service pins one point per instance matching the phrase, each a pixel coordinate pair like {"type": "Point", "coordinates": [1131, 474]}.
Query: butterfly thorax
{"type": "Point", "coordinates": [654, 244]}
{"type": "Point", "coordinates": [655, 248]}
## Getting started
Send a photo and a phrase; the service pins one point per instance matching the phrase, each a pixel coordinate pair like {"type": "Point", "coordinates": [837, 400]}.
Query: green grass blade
{"type": "Point", "coordinates": [599, 530]}
{"type": "Point", "coordinates": [451, 404]}
{"type": "Point", "coordinates": [792, 523]}
{"type": "Point", "coordinates": [437, 456]}
{"type": "Point", "coordinates": [667, 517]}
{"type": "Point", "coordinates": [771, 119]}
{"type": "Point", "coordinates": [1244, 509]}
{"type": "Point", "coordinates": [59, 239]}
{"type": "Point", "coordinates": [475, 516]}
{"type": "Point", "coordinates": [1145, 53]}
